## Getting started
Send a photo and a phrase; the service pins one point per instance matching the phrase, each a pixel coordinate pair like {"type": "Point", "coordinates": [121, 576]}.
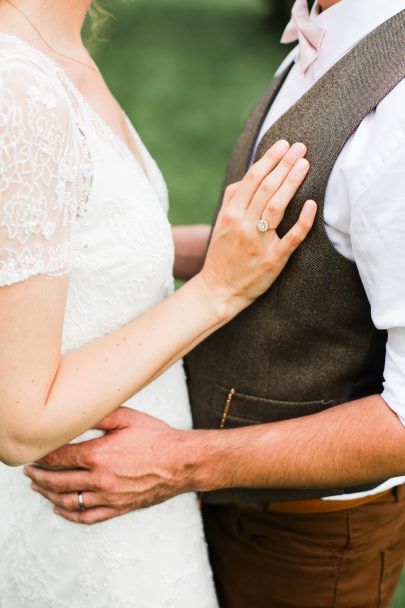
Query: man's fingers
{"type": "Point", "coordinates": [92, 516]}
{"type": "Point", "coordinates": [69, 456]}
{"type": "Point", "coordinates": [60, 481]}
{"type": "Point", "coordinates": [256, 174]}
{"type": "Point", "coordinates": [70, 501]}
{"type": "Point", "coordinates": [298, 232]}
{"type": "Point", "coordinates": [121, 418]}
{"type": "Point", "coordinates": [116, 420]}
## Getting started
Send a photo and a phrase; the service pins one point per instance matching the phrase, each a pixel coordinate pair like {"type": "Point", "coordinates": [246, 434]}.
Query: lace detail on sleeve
{"type": "Point", "coordinates": [38, 174]}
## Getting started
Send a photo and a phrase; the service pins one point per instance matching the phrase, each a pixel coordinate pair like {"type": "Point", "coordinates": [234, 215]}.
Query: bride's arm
{"type": "Point", "coordinates": [46, 399]}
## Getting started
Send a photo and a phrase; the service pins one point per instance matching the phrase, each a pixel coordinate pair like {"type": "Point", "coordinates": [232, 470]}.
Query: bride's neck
{"type": "Point", "coordinates": [59, 21]}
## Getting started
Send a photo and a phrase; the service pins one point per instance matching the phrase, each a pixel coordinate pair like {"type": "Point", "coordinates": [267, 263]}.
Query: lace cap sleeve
{"type": "Point", "coordinates": [38, 174]}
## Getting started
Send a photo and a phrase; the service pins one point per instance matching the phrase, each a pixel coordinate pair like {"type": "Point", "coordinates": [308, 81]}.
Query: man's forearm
{"type": "Point", "coordinates": [355, 443]}
{"type": "Point", "coordinates": [348, 445]}
{"type": "Point", "coordinates": [191, 243]}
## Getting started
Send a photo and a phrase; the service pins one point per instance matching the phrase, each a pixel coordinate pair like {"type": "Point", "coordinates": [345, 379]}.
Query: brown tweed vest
{"type": "Point", "coordinates": [309, 342]}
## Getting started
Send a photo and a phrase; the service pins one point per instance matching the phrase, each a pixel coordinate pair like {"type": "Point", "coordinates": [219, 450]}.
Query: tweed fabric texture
{"type": "Point", "coordinates": [309, 342]}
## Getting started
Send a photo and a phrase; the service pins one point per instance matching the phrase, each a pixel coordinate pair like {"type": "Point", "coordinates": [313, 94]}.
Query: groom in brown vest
{"type": "Point", "coordinates": [301, 399]}
{"type": "Point", "coordinates": [308, 345]}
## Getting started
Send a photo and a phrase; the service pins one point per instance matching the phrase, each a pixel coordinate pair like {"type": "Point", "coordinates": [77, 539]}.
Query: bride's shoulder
{"type": "Point", "coordinates": [22, 67]}
{"type": "Point", "coordinates": [33, 99]}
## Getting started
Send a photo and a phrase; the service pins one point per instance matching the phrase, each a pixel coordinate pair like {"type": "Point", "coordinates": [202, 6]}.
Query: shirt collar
{"type": "Point", "coordinates": [346, 23]}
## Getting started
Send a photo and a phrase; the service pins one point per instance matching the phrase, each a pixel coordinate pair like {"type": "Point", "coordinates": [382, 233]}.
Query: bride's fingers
{"type": "Point", "coordinates": [275, 179]}
{"type": "Point", "coordinates": [256, 174]}
{"type": "Point", "coordinates": [296, 235]}
{"type": "Point", "coordinates": [229, 193]}
{"type": "Point", "coordinates": [274, 211]}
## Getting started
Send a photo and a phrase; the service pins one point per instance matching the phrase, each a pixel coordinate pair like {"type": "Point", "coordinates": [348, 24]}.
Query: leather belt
{"type": "Point", "coordinates": [311, 506]}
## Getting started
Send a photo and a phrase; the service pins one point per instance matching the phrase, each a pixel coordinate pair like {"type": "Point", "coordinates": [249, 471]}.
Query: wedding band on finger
{"type": "Point", "coordinates": [262, 225]}
{"type": "Point", "coordinates": [82, 506]}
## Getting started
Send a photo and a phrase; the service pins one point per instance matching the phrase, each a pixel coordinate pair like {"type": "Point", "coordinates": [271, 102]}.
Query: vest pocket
{"type": "Point", "coordinates": [231, 408]}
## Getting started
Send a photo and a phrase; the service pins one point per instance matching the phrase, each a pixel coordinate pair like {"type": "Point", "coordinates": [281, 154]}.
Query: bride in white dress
{"type": "Point", "coordinates": [85, 250]}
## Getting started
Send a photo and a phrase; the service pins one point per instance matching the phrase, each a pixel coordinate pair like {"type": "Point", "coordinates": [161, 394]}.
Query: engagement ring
{"type": "Point", "coordinates": [262, 226]}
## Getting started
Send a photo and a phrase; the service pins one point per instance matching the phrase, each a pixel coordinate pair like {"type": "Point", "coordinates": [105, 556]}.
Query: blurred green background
{"type": "Point", "coordinates": [187, 73]}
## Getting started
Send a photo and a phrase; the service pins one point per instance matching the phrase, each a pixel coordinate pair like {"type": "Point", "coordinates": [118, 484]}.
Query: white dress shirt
{"type": "Point", "coordinates": [365, 199]}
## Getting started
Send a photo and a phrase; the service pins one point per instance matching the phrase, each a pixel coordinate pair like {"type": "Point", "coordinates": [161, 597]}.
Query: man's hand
{"type": "Point", "coordinates": [136, 464]}
{"type": "Point", "coordinates": [142, 461]}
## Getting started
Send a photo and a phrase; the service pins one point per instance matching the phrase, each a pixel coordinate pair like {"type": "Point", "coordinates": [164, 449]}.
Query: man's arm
{"type": "Point", "coordinates": [359, 442]}
{"type": "Point", "coordinates": [190, 244]}
{"type": "Point", "coordinates": [142, 461]}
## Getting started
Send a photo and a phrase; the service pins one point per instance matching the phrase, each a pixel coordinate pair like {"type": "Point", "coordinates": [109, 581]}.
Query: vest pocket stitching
{"type": "Point", "coordinates": [235, 400]}
{"type": "Point", "coordinates": [227, 407]}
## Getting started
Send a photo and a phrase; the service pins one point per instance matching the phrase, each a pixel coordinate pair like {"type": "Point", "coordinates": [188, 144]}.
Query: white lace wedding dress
{"type": "Point", "coordinates": [74, 200]}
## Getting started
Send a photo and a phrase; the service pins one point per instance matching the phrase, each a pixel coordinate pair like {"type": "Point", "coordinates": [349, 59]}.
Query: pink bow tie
{"type": "Point", "coordinates": [308, 34]}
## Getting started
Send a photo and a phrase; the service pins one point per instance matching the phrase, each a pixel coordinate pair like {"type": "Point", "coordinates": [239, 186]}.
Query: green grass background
{"type": "Point", "coordinates": [187, 72]}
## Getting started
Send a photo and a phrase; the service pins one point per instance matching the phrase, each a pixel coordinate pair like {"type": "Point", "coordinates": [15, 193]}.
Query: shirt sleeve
{"type": "Point", "coordinates": [378, 240]}
{"type": "Point", "coordinates": [38, 174]}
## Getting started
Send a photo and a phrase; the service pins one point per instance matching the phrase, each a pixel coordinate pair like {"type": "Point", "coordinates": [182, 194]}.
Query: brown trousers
{"type": "Point", "coordinates": [344, 559]}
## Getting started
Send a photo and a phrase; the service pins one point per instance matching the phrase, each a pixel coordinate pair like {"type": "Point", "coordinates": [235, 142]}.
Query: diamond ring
{"type": "Point", "coordinates": [262, 225]}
